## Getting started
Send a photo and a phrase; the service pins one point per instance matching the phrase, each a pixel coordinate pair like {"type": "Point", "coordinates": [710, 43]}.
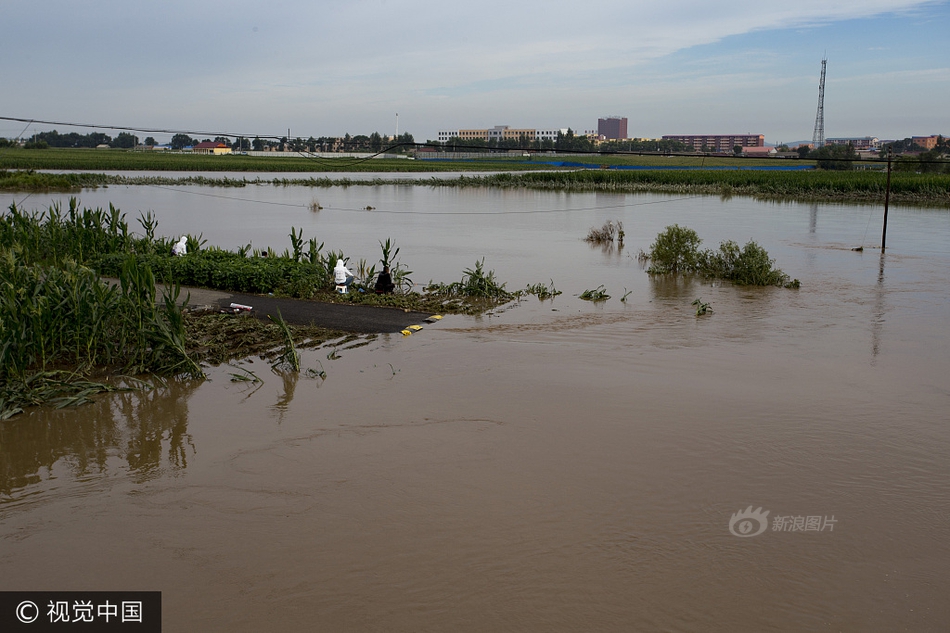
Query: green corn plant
{"type": "Point", "coordinates": [597, 294]}
{"type": "Point", "coordinates": [296, 243]}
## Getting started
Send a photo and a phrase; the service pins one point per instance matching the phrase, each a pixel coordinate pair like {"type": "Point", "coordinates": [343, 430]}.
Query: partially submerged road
{"type": "Point", "coordinates": [361, 319]}
{"type": "Point", "coordinates": [335, 316]}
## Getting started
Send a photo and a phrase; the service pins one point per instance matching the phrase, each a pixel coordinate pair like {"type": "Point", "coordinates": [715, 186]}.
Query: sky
{"type": "Point", "coordinates": [330, 67]}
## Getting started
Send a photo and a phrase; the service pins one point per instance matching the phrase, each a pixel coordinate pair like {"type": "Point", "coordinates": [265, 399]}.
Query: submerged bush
{"type": "Point", "coordinates": [677, 250]}
{"type": "Point", "coordinates": [606, 233]}
{"type": "Point", "coordinates": [748, 266]}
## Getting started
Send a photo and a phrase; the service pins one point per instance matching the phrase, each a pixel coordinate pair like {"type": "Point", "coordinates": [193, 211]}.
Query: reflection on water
{"type": "Point", "coordinates": [289, 381]}
{"type": "Point", "coordinates": [877, 321]}
{"type": "Point", "coordinates": [145, 432]}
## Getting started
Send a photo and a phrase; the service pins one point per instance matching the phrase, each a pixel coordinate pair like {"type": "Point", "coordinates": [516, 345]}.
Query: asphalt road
{"type": "Point", "coordinates": [347, 318]}
{"type": "Point", "coordinates": [335, 316]}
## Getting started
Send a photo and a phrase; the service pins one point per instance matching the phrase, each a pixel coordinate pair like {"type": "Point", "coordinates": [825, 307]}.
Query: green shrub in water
{"type": "Point", "coordinates": [746, 266]}
{"type": "Point", "coordinates": [675, 250]}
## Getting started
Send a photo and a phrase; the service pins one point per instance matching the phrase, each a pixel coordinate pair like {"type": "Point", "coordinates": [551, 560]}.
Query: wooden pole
{"type": "Point", "coordinates": [887, 199]}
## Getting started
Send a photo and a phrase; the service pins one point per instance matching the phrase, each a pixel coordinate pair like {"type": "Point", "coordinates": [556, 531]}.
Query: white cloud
{"type": "Point", "coordinates": [337, 65]}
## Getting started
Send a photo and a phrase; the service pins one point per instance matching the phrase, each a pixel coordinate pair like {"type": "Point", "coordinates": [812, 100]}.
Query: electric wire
{"type": "Point", "coordinates": [433, 213]}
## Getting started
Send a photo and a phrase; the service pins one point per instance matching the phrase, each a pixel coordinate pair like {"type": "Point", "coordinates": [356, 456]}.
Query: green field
{"type": "Point", "coordinates": [127, 160]}
{"type": "Point", "coordinates": [709, 175]}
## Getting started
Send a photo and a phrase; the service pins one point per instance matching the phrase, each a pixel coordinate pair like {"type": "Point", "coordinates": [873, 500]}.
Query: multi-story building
{"type": "Point", "coordinates": [927, 142]}
{"type": "Point", "coordinates": [717, 142]}
{"type": "Point", "coordinates": [612, 128]}
{"type": "Point", "coordinates": [500, 133]}
{"type": "Point", "coordinates": [860, 143]}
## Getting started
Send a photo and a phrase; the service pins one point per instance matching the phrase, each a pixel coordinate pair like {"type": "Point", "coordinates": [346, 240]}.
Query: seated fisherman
{"type": "Point", "coordinates": [341, 275]}
{"type": "Point", "coordinates": [384, 283]}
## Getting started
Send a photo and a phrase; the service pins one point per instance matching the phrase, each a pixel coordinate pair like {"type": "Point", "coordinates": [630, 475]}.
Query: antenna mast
{"type": "Point", "coordinates": [818, 138]}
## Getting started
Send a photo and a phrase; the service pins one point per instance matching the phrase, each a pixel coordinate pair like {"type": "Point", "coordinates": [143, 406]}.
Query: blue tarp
{"type": "Point", "coordinates": [680, 167]}
{"type": "Point", "coordinates": [564, 163]}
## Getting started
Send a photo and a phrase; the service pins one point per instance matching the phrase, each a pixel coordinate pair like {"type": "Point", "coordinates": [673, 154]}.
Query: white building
{"type": "Point", "coordinates": [500, 132]}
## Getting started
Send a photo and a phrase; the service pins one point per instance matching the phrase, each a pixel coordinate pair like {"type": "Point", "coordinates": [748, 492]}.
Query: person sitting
{"type": "Point", "coordinates": [181, 248]}
{"type": "Point", "coordinates": [341, 275]}
{"type": "Point", "coordinates": [384, 282]}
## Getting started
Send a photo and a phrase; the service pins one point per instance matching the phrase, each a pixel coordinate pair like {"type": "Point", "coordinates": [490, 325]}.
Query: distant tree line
{"type": "Point", "coordinates": [74, 139]}
{"type": "Point", "coordinates": [359, 143]}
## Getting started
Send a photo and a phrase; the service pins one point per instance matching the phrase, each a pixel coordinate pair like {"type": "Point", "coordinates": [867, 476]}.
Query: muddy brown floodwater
{"type": "Point", "coordinates": [552, 466]}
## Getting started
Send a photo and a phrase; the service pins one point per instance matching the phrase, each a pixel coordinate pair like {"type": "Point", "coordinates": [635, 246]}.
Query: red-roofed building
{"type": "Point", "coordinates": [211, 147]}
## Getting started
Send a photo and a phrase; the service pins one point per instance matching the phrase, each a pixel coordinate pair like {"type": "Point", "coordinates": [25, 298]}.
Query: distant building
{"type": "Point", "coordinates": [717, 142]}
{"type": "Point", "coordinates": [499, 133]}
{"type": "Point", "coordinates": [759, 151]}
{"type": "Point", "coordinates": [860, 143]}
{"type": "Point", "coordinates": [612, 128]}
{"type": "Point", "coordinates": [927, 142]}
{"type": "Point", "coordinates": [211, 147]}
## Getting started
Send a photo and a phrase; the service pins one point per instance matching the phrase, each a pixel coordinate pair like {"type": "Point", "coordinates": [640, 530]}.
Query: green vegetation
{"type": "Point", "coordinates": [748, 266]}
{"type": "Point", "coordinates": [476, 283]}
{"type": "Point", "coordinates": [597, 294]}
{"type": "Point", "coordinates": [289, 357]}
{"type": "Point", "coordinates": [541, 291]}
{"type": "Point", "coordinates": [61, 324]}
{"type": "Point", "coordinates": [676, 250]}
{"type": "Point", "coordinates": [835, 157]}
{"type": "Point", "coordinates": [702, 308]}
{"type": "Point", "coordinates": [700, 175]}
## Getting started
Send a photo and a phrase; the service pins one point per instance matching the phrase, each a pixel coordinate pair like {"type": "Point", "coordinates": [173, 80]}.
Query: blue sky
{"type": "Point", "coordinates": [331, 67]}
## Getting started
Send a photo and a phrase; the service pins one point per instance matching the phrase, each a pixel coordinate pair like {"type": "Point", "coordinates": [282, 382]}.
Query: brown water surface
{"type": "Point", "coordinates": [552, 466]}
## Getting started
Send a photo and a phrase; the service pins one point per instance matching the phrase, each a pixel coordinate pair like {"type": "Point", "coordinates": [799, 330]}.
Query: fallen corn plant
{"type": "Point", "coordinates": [597, 294]}
{"type": "Point", "coordinates": [542, 291]}
{"type": "Point", "coordinates": [702, 308]}
{"type": "Point", "coordinates": [289, 358]}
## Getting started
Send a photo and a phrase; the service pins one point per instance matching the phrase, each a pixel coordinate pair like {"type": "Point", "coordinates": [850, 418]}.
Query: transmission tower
{"type": "Point", "coordinates": [818, 138]}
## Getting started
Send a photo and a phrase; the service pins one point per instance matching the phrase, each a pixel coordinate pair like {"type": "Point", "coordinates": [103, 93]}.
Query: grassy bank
{"type": "Point", "coordinates": [806, 185]}
{"type": "Point", "coordinates": [128, 160]}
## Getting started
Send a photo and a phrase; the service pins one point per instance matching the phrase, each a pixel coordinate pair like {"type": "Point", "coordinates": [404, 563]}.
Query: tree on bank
{"type": "Point", "coordinates": [835, 157]}
{"type": "Point", "coordinates": [181, 141]}
{"type": "Point", "coordinates": [125, 141]}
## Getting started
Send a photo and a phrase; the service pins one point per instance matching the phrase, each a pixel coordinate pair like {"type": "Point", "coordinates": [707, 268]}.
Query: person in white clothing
{"type": "Point", "coordinates": [341, 274]}
{"type": "Point", "coordinates": [181, 248]}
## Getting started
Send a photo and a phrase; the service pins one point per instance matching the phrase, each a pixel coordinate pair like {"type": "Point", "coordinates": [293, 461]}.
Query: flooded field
{"type": "Point", "coordinates": [551, 466]}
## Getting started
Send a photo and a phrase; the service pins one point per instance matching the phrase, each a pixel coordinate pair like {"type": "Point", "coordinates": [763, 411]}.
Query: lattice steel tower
{"type": "Point", "coordinates": [818, 138]}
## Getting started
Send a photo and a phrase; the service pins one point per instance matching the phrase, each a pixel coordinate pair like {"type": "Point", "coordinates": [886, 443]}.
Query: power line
{"type": "Point", "coordinates": [137, 129]}
{"type": "Point", "coordinates": [377, 211]}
